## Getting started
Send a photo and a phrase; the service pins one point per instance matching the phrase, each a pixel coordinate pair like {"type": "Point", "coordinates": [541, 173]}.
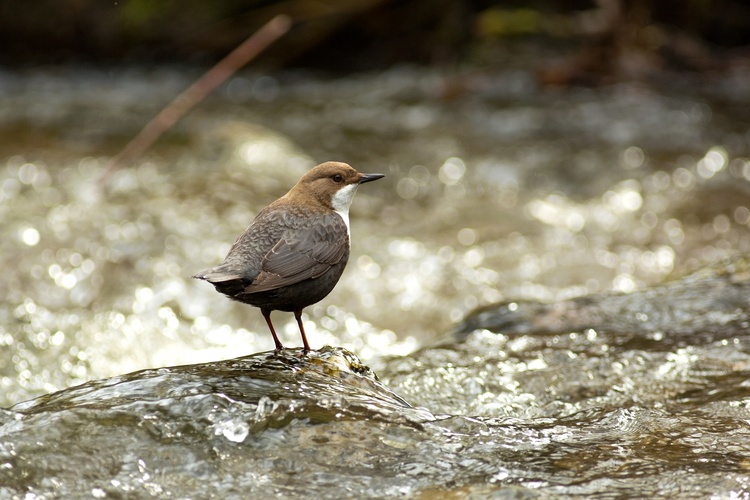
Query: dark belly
{"type": "Point", "coordinates": [291, 297]}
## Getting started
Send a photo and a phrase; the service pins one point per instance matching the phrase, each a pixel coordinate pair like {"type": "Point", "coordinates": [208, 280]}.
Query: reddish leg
{"type": "Point", "coordinates": [298, 317]}
{"type": "Point", "coordinates": [267, 315]}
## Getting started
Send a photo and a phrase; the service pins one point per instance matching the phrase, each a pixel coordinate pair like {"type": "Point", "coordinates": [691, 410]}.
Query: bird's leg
{"type": "Point", "coordinates": [298, 317]}
{"type": "Point", "coordinates": [267, 315]}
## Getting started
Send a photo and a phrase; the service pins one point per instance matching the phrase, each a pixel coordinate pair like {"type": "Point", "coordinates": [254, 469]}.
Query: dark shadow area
{"type": "Point", "coordinates": [591, 40]}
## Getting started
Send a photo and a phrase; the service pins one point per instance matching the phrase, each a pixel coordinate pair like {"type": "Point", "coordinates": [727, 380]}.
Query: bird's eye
{"type": "Point", "coordinates": [338, 178]}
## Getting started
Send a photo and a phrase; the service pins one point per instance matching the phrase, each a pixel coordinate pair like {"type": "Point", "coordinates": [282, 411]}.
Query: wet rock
{"type": "Point", "coordinates": [166, 430]}
{"type": "Point", "coordinates": [710, 304]}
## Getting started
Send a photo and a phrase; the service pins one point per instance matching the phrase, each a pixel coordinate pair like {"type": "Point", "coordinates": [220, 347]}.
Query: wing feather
{"type": "Point", "coordinates": [304, 254]}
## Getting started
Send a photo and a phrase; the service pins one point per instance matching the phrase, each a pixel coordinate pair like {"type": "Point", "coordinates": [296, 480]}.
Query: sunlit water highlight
{"type": "Point", "coordinates": [505, 193]}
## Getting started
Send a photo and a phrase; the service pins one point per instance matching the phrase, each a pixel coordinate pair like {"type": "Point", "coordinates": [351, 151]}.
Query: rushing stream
{"type": "Point", "coordinates": [547, 295]}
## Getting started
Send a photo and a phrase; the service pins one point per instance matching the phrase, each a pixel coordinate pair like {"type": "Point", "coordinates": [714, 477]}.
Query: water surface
{"type": "Point", "coordinates": [496, 191]}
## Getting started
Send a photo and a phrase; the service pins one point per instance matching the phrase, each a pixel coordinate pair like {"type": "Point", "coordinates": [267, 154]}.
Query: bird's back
{"type": "Point", "coordinates": [243, 263]}
{"type": "Point", "coordinates": [284, 245]}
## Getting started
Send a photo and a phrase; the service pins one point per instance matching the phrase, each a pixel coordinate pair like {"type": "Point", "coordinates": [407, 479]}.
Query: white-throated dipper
{"type": "Point", "coordinates": [295, 250]}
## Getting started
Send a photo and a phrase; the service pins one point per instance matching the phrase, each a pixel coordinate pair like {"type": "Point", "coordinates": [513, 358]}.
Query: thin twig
{"type": "Point", "coordinates": [190, 97]}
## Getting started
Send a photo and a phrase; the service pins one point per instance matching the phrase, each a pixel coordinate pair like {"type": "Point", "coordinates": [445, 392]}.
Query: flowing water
{"type": "Point", "coordinates": [568, 216]}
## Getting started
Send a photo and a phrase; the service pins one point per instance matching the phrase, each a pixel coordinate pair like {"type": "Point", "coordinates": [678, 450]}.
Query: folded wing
{"type": "Point", "coordinates": [304, 254]}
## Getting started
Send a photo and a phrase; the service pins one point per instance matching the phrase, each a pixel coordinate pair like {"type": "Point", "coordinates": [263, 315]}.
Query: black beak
{"type": "Point", "coordinates": [370, 177]}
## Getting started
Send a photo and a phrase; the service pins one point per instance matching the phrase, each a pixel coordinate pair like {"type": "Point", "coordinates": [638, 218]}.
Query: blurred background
{"type": "Point", "coordinates": [534, 150]}
{"type": "Point", "coordinates": [600, 40]}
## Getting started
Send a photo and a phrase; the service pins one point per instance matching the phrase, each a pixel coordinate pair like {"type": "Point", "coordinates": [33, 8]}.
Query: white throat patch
{"type": "Point", "coordinates": [341, 202]}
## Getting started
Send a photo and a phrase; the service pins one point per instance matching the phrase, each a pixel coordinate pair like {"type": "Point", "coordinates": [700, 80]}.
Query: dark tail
{"type": "Point", "coordinates": [224, 279]}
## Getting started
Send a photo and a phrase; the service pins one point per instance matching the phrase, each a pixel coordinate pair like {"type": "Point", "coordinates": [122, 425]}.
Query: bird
{"type": "Point", "coordinates": [295, 250]}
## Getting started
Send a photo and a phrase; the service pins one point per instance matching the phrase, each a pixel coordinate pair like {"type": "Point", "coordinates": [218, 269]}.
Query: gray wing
{"type": "Point", "coordinates": [243, 262]}
{"type": "Point", "coordinates": [303, 254]}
